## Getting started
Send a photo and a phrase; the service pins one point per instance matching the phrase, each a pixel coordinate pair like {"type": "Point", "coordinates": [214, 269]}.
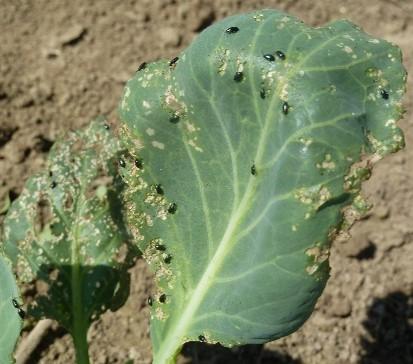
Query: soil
{"type": "Point", "coordinates": [64, 62]}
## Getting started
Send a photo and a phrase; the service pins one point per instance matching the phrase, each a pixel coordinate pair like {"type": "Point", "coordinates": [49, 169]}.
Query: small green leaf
{"type": "Point", "coordinates": [260, 135]}
{"type": "Point", "coordinates": [10, 321]}
{"type": "Point", "coordinates": [66, 230]}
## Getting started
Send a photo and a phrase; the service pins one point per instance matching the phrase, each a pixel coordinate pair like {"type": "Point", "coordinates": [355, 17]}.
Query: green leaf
{"type": "Point", "coordinates": [66, 230]}
{"type": "Point", "coordinates": [260, 137]}
{"type": "Point", "coordinates": [10, 322]}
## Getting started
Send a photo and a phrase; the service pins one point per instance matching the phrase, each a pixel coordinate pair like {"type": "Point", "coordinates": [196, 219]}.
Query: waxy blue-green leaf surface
{"type": "Point", "coordinates": [10, 321]}
{"type": "Point", "coordinates": [66, 230]}
{"type": "Point", "coordinates": [245, 153]}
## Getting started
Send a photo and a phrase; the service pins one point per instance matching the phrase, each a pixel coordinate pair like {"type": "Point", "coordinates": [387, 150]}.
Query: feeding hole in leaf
{"type": "Point", "coordinates": [43, 215]}
{"type": "Point", "coordinates": [172, 208]}
{"type": "Point", "coordinates": [286, 107]}
{"type": "Point", "coordinates": [53, 273]}
{"type": "Point", "coordinates": [280, 55]}
{"type": "Point", "coordinates": [68, 202]}
{"type": "Point", "coordinates": [232, 30]}
{"type": "Point", "coordinates": [238, 77]}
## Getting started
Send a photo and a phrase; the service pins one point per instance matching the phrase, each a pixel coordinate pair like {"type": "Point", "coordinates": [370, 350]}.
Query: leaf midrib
{"type": "Point", "coordinates": [79, 322]}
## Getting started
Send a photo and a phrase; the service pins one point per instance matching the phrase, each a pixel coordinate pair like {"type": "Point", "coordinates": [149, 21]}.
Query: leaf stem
{"type": "Point", "coordinates": [80, 323]}
{"type": "Point", "coordinates": [81, 345]}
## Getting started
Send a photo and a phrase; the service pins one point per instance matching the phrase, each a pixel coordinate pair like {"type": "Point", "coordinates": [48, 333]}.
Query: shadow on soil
{"type": "Point", "coordinates": [248, 354]}
{"type": "Point", "coordinates": [389, 327]}
{"type": "Point", "coordinates": [388, 339]}
{"type": "Point", "coordinates": [44, 345]}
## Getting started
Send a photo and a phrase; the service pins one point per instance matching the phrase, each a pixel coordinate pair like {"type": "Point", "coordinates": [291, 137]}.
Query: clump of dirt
{"type": "Point", "coordinates": [63, 63]}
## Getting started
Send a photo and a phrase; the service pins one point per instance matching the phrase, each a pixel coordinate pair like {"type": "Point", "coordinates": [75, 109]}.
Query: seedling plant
{"type": "Point", "coordinates": [234, 167]}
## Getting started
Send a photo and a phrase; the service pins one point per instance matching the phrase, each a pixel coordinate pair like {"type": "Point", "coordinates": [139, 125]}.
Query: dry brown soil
{"type": "Point", "coordinates": [62, 62]}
